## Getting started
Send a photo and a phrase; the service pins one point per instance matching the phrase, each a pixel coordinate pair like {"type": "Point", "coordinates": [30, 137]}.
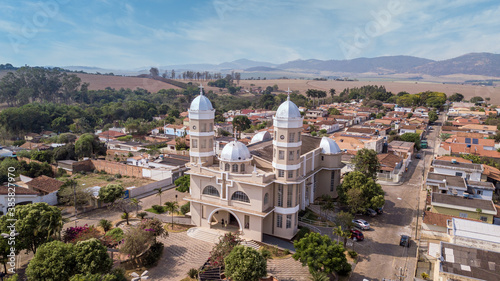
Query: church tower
{"type": "Point", "coordinates": [201, 122]}
{"type": "Point", "coordinates": [286, 144]}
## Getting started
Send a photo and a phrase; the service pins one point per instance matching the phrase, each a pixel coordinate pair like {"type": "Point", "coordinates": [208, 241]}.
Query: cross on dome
{"type": "Point", "coordinates": [288, 92]}
{"type": "Point", "coordinates": [201, 89]}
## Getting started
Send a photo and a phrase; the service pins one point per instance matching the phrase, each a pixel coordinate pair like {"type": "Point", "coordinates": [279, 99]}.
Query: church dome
{"type": "Point", "coordinates": [261, 136]}
{"type": "Point", "coordinates": [201, 103]}
{"type": "Point", "coordinates": [288, 110]}
{"type": "Point", "coordinates": [235, 151]}
{"type": "Point", "coordinates": [329, 146]}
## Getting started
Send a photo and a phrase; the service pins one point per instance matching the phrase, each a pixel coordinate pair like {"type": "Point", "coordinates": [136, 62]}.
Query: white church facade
{"type": "Point", "coordinates": [260, 188]}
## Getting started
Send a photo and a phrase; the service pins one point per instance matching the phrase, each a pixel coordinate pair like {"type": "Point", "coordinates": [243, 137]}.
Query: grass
{"type": "Point", "coordinates": [276, 253]}
{"type": "Point", "coordinates": [177, 227]}
{"type": "Point", "coordinates": [91, 179]}
{"type": "Point", "coordinates": [188, 279]}
{"type": "Point", "coordinates": [151, 210]}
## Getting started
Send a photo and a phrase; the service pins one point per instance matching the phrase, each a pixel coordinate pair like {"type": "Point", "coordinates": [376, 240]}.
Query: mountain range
{"type": "Point", "coordinates": [483, 64]}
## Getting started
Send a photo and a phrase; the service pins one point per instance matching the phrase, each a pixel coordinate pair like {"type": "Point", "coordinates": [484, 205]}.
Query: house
{"type": "Point", "coordinates": [403, 109]}
{"type": "Point", "coordinates": [260, 188]}
{"type": "Point", "coordinates": [469, 171]}
{"type": "Point", "coordinates": [482, 129]}
{"type": "Point", "coordinates": [48, 134]}
{"type": "Point", "coordinates": [446, 184]}
{"type": "Point", "coordinates": [401, 148]}
{"type": "Point", "coordinates": [434, 222]}
{"type": "Point", "coordinates": [32, 137]}
{"type": "Point", "coordinates": [459, 206]}
{"type": "Point", "coordinates": [23, 196]}
{"type": "Point", "coordinates": [34, 146]}
{"type": "Point", "coordinates": [481, 189]}
{"type": "Point", "coordinates": [181, 130]}
{"type": "Point", "coordinates": [391, 167]}
{"type": "Point", "coordinates": [447, 148]}
{"type": "Point", "coordinates": [126, 145]}
{"type": "Point", "coordinates": [110, 135]}
{"type": "Point", "coordinates": [473, 233]}
{"type": "Point", "coordinates": [47, 187]}
{"type": "Point", "coordinates": [457, 262]}
{"type": "Point", "coordinates": [403, 129]}
{"type": "Point", "coordinates": [329, 126]}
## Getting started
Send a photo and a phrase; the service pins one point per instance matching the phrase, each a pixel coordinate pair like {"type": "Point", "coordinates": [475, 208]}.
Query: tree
{"type": "Point", "coordinates": [53, 261]}
{"type": "Point", "coordinates": [333, 111]}
{"type": "Point", "coordinates": [321, 254]}
{"type": "Point", "coordinates": [36, 224]}
{"type": "Point", "coordinates": [172, 207]}
{"type": "Point", "coordinates": [159, 191]}
{"type": "Point", "coordinates": [241, 123]}
{"type": "Point", "coordinates": [456, 97]}
{"type": "Point", "coordinates": [154, 72]}
{"type": "Point", "coordinates": [366, 162]}
{"type": "Point", "coordinates": [245, 264]}
{"type": "Point", "coordinates": [123, 205]}
{"type": "Point", "coordinates": [71, 191]}
{"type": "Point", "coordinates": [136, 242]}
{"type": "Point", "coordinates": [154, 226]}
{"type": "Point", "coordinates": [371, 192]}
{"type": "Point", "coordinates": [105, 224]}
{"type": "Point", "coordinates": [343, 223]}
{"type": "Point", "coordinates": [183, 183]}
{"type": "Point", "coordinates": [411, 137]}
{"type": "Point", "coordinates": [444, 136]}
{"type": "Point", "coordinates": [433, 116]}
{"type": "Point", "coordinates": [355, 200]}
{"type": "Point", "coordinates": [319, 276]}
{"type": "Point", "coordinates": [332, 92]}
{"type": "Point", "coordinates": [91, 257]}
{"type": "Point", "coordinates": [476, 99]}
{"type": "Point", "coordinates": [111, 192]}
{"type": "Point", "coordinates": [89, 145]}
{"type": "Point", "coordinates": [136, 202]}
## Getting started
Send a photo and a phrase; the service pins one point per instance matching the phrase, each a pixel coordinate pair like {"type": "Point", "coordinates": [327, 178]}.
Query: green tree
{"type": "Point", "coordinates": [333, 111]}
{"type": "Point", "coordinates": [91, 257]}
{"type": "Point", "coordinates": [136, 202]}
{"type": "Point", "coordinates": [159, 191]}
{"type": "Point", "coordinates": [183, 183]}
{"type": "Point", "coordinates": [366, 162]}
{"type": "Point", "coordinates": [105, 224]}
{"type": "Point", "coordinates": [172, 207]}
{"type": "Point", "coordinates": [444, 136]}
{"type": "Point", "coordinates": [111, 192]}
{"type": "Point", "coordinates": [321, 254]}
{"type": "Point", "coordinates": [411, 137]}
{"type": "Point", "coordinates": [53, 261]}
{"type": "Point", "coordinates": [136, 242]}
{"type": "Point", "coordinates": [476, 99]}
{"type": "Point", "coordinates": [88, 145]}
{"type": "Point", "coordinates": [124, 205]}
{"type": "Point", "coordinates": [36, 224]}
{"type": "Point", "coordinates": [371, 192]}
{"type": "Point", "coordinates": [433, 116]}
{"type": "Point", "coordinates": [343, 220]}
{"type": "Point", "coordinates": [456, 97]}
{"type": "Point", "coordinates": [241, 123]}
{"type": "Point", "coordinates": [245, 264]}
{"type": "Point", "coordinates": [154, 226]}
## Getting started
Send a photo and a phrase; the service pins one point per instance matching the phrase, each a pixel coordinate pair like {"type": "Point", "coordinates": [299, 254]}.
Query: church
{"type": "Point", "coordinates": [260, 188]}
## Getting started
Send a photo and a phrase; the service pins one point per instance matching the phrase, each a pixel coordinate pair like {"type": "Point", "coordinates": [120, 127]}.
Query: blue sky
{"type": "Point", "coordinates": [132, 34]}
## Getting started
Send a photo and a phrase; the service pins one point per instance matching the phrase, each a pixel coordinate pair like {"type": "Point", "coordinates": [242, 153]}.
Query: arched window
{"type": "Point", "coordinates": [235, 168]}
{"type": "Point", "coordinates": [226, 167]}
{"type": "Point", "coordinates": [242, 168]}
{"type": "Point", "coordinates": [210, 190]}
{"type": "Point", "coordinates": [266, 198]}
{"type": "Point", "coordinates": [240, 196]}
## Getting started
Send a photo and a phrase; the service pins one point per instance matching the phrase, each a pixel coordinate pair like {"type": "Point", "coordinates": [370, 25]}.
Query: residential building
{"type": "Point", "coordinates": [401, 148]}
{"type": "Point", "coordinates": [458, 206]}
{"type": "Point", "coordinates": [469, 171]}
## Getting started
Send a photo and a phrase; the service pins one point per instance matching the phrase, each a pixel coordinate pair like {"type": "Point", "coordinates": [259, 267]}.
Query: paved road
{"type": "Point", "coordinates": [380, 254]}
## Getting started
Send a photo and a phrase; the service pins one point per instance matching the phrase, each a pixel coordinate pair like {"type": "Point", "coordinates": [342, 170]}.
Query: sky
{"type": "Point", "coordinates": [118, 34]}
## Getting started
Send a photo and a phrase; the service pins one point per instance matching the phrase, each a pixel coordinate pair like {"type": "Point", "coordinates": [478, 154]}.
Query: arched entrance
{"type": "Point", "coordinates": [224, 219]}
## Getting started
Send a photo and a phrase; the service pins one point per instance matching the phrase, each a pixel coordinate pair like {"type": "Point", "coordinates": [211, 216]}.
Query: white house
{"type": "Point", "coordinates": [469, 171]}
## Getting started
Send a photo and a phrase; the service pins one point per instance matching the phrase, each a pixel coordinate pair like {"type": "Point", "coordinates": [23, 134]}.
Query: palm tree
{"type": "Point", "coordinates": [136, 202]}
{"type": "Point", "coordinates": [159, 192]}
{"type": "Point", "coordinates": [319, 276]}
{"type": "Point", "coordinates": [105, 224]}
{"type": "Point", "coordinates": [172, 207]}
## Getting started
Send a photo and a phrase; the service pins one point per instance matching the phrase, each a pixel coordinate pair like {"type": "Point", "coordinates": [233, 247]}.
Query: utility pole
{"type": "Point", "coordinates": [400, 276]}
{"type": "Point", "coordinates": [74, 196]}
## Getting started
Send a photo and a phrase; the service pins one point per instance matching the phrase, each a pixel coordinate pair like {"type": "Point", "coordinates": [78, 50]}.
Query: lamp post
{"type": "Point", "coordinates": [176, 198]}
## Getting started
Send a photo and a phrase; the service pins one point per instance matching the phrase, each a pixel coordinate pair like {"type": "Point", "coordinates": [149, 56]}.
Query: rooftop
{"type": "Point", "coordinates": [471, 262]}
{"type": "Point", "coordinates": [463, 203]}
{"type": "Point", "coordinates": [476, 230]}
{"type": "Point", "coordinates": [469, 167]}
{"type": "Point", "coordinates": [455, 181]}
{"type": "Point", "coordinates": [264, 149]}
{"type": "Point", "coordinates": [45, 184]}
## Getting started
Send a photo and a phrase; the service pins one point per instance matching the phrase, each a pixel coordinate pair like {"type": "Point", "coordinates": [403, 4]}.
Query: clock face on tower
{"type": "Point", "coordinates": [194, 127]}
{"type": "Point", "coordinates": [282, 137]}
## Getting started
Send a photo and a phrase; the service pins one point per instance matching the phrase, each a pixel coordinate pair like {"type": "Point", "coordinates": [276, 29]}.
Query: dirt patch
{"type": "Point", "coordinates": [177, 227]}
{"type": "Point", "coordinates": [97, 179]}
{"type": "Point", "coordinates": [100, 82]}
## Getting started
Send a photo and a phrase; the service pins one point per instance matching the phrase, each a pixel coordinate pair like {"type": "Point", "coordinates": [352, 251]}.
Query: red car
{"type": "Point", "coordinates": [357, 235]}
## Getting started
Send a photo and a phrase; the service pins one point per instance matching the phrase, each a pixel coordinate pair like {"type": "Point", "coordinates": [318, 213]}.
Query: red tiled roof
{"type": "Point", "coordinates": [111, 134]}
{"type": "Point", "coordinates": [45, 184]}
{"type": "Point", "coordinates": [440, 219]}
{"type": "Point", "coordinates": [19, 190]}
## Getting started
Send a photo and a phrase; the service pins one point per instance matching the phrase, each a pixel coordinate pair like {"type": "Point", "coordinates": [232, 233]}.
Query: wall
{"type": "Point", "coordinates": [136, 191]}
{"type": "Point", "coordinates": [456, 213]}
{"type": "Point", "coordinates": [117, 168]}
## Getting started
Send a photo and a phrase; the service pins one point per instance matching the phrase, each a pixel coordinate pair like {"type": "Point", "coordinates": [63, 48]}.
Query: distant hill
{"type": "Point", "coordinates": [262, 68]}
{"type": "Point", "coordinates": [474, 64]}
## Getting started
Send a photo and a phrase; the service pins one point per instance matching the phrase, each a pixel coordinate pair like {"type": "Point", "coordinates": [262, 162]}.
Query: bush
{"type": "Point", "coordinates": [185, 208]}
{"type": "Point", "coordinates": [265, 253]}
{"type": "Point", "coordinates": [158, 208]}
{"type": "Point", "coordinates": [253, 268]}
{"type": "Point", "coordinates": [142, 215]}
{"type": "Point", "coordinates": [105, 224]}
{"type": "Point", "coordinates": [301, 233]}
{"type": "Point", "coordinates": [424, 275]}
{"type": "Point", "coordinates": [116, 234]}
{"type": "Point", "coordinates": [287, 252]}
{"type": "Point", "coordinates": [110, 178]}
{"type": "Point", "coordinates": [61, 172]}
{"type": "Point", "coordinates": [154, 253]}
{"type": "Point", "coordinates": [353, 254]}
{"type": "Point", "coordinates": [102, 172]}
{"type": "Point", "coordinates": [192, 273]}
{"type": "Point", "coordinates": [118, 176]}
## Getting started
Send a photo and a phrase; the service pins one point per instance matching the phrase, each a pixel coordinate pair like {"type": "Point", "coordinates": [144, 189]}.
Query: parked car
{"type": "Point", "coordinates": [357, 235]}
{"type": "Point", "coordinates": [404, 241]}
{"type": "Point", "coordinates": [361, 224]}
{"type": "Point", "coordinates": [418, 156]}
{"type": "Point", "coordinates": [370, 212]}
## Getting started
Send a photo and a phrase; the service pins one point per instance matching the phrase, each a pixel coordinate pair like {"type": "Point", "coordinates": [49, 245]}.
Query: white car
{"type": "Point", "coordinates": [362, 224]}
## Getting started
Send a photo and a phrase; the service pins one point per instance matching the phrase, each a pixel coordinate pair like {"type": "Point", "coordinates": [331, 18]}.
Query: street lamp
{"type": "Point", "coordinates": [176, 198]}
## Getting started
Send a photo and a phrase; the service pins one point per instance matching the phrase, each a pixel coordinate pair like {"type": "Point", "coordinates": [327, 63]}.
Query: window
{"type": "Point", "coordinates": [290, 155]}
{"type": "Point", "coordinates": [479, 192]}
{"type": "Point", "coordinates": [281, 155]}
{"type": "Point", "coordinates": [280, 195]}
{"type": "Point", "coordinates": [210, 143]}
{"type": "Point", "coordinates": [291, 137]}
{"type": "Point", "coordinates": [298, 137]}
{"type": "Point", "coordinates": [235, 168]}
{"type": "Point", "coordinates": [483, 218]}
{"type": "Point", "coordinates": [242, 168]}
{"type": "Point", "coordinates": [289, 196]}
{"type": "Point", "coordinates": [203, 212]}
{"type": "Point", "coordinates": [332, 181]}
{"type": "Point", "coordinates": [266, 198]}
{"type": "Point", "coordinates": [288, 221]}
{"type": "Point", "coordinates": [296, 219]}
{"type": "Point", "coordinates": [279, 220]}
{"type": "Point", "coordinates": [290, 174]}
{"type": "Point", "coordinates": [195, 143]}
{"type": "Point", "coordinates": [240, 196]}
{"type": "Point", "coordinates": [281, 173]}
{"type": "Point", "coordinates": [211, 126]}
{"type": "Point", "coordinates": [204, 144]}
{"type": "Point", "coordinates": [298, 154]}
{"type": "Point", "coordinates": [322, 158]}
{"type": "Point", "coordinates": [211, 190]}
{"type": "Point", "coordinates": [226, 167]}
{"type": "Point", "coordinates": [458, 174]}
{"type": "Point", "coordinates": [274, 152]}
{"type": "Point", "coordinates": [463, 215]}
{"type": "Point", "coordinates": [204, 127]}
{"type": "Point", "coordinates": [298, 173]}
{"type": "Point", "coordinates": [297, 195]}
{"type": "Point", "coordinates": [275, 135]}
{"type": "Point", "coordinates": [247, 222]}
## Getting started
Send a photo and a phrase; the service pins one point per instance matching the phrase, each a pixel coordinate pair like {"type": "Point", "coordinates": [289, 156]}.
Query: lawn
{"type": "Point", "coordinates": [98, 179]}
